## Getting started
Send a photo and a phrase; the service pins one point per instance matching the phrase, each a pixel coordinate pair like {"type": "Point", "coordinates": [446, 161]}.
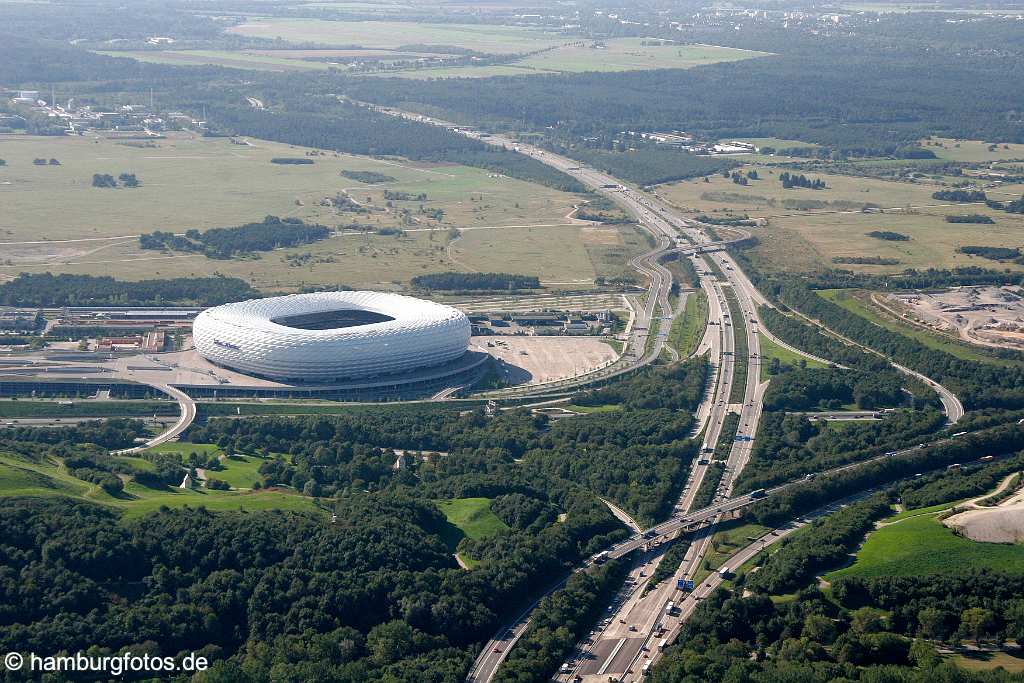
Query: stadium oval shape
{"type": "Point", "coordinates": [331, 336]}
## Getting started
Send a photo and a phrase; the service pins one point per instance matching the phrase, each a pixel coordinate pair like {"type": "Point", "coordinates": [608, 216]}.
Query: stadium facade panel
{"type": "Point", "coordinates": [331, 336]}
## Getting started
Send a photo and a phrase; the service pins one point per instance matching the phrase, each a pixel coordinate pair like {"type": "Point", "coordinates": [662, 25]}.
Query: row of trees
{"type": "Point", "coordinates": [790, 180]}
{"type": "Point", "coordinates": [991, 253]}
{"type": "Point", "coordinates": [46, 289]}
{"type": "Point", "coordinates": [475, 281]}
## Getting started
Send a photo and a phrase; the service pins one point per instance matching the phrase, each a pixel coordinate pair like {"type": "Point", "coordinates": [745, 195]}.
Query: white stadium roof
{"type": "Point", "coordinates": [331, 336]}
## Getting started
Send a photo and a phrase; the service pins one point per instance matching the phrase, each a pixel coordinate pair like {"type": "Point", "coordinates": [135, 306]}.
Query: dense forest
{"type": "Point", "coordinates": [829, 389]}
{"type": "Point", "coordinates": [647, 165]}
{"type": "Point", "coordinates": [637, 456]}
{"type": "Point", "coordinates": [847, 105]}
{"type": "Point", "coordinates": [382, 601]}
{"type": "Point", "coordinates": [376, 595]}
{"type": "Point", "coordinates": [880, 630]}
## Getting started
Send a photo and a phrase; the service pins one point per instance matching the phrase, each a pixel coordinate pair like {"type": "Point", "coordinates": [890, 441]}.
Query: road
{"type": "Point", "coordinates": [688, 237]}
{"type": "Point", "coordinates": [674, 234]}
{"type": "Point", "coordinates": [618, 649]}
{"type": "Point", "coordinates": [951, 405]}
{"type": "Point", "coordinates": [186, 404]}
{"type": "Point", "coordinates": [188, 414]}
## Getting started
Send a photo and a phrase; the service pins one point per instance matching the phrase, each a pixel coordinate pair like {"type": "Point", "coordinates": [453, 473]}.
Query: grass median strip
{"type": "Point", "coordinates": [688, 328]}
{"type": "Point", "coordinates": [739, 329]}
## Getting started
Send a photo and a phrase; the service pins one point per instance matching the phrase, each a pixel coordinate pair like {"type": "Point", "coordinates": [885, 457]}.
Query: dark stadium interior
{"type": "Point", "coordinates": [331, 320]}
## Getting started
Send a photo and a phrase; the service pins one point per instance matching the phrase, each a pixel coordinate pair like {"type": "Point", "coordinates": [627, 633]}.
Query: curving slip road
{"type": "Point", "coordinates": [188, 414]}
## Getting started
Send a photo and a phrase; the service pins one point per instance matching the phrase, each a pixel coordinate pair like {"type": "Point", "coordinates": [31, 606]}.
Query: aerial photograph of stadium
{"type": "Point", "coordinates": [507, 342]}
{"type": "Point", "coordinates": [331, 336]}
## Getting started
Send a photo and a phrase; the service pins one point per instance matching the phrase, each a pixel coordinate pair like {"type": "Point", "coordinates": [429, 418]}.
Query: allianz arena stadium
{"type": "Point", "coordinates": [331, 336]}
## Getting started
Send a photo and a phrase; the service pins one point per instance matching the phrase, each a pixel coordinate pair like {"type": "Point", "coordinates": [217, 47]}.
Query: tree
{"type": "Point", "coordinates": [977, 622]}
{"type": "Point", "coordinates": [819, 628]}
{"type": "Point", "coordinates": [1014, 616]}
{"type": "Point", "coordinates": [389, 642]}
{"type": "Point", "coordinates": [868, 620]}
{"type": "Point", "coordinates": [934, 623]}
{"type": "Point", "coordinates": [924, 654]}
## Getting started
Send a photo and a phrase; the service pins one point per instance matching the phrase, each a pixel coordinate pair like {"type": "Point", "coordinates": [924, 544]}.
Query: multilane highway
{"type": "Point", "coordinates": [663, 221]}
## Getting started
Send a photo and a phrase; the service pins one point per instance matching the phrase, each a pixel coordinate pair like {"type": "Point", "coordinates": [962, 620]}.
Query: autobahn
{"type": "Point", "coordinates": [625, 638]}
{"type": "Point", "coordinates": [658, 217]}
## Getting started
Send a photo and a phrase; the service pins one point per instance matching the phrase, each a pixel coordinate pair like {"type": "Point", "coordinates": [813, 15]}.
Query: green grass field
{"type": "Point", "coordinates": [587, 410]}
{"type": "Point", "coordinates": [917, 512]}
{"type": "Point", "coordinates": [688, 328]}
{"type": "Point", "coordinates": [183, 448]}
{"type": "Point", "coordinates": [241, 471]}
{"type": "Point", "coordinates": [468, 518]}
{"type": "Point", "coordinates": [986, 661]}
{"type": "Point", "coordinates": [921, 545]}
{"type": "Point", "coordinates": [856, 302]}
{"type": "Point", "coordinates": [55, 221]}
{"type": "Point", "coordinates": [770, 350]}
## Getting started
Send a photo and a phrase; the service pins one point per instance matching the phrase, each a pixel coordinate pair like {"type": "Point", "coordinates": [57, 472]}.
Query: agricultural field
{"type": "Point", "coordinates": [973, 150]}
{"type": "Point", "coordinates": [617, 54]}
{"type": "Point", "coordinates": [558, 55]}
{"type": "Point", "coordinates": [921, 545]}
{"type": "Point", "coordinates": [54, 220]}
{"type": "Point", "coordinates": [390, 35]}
